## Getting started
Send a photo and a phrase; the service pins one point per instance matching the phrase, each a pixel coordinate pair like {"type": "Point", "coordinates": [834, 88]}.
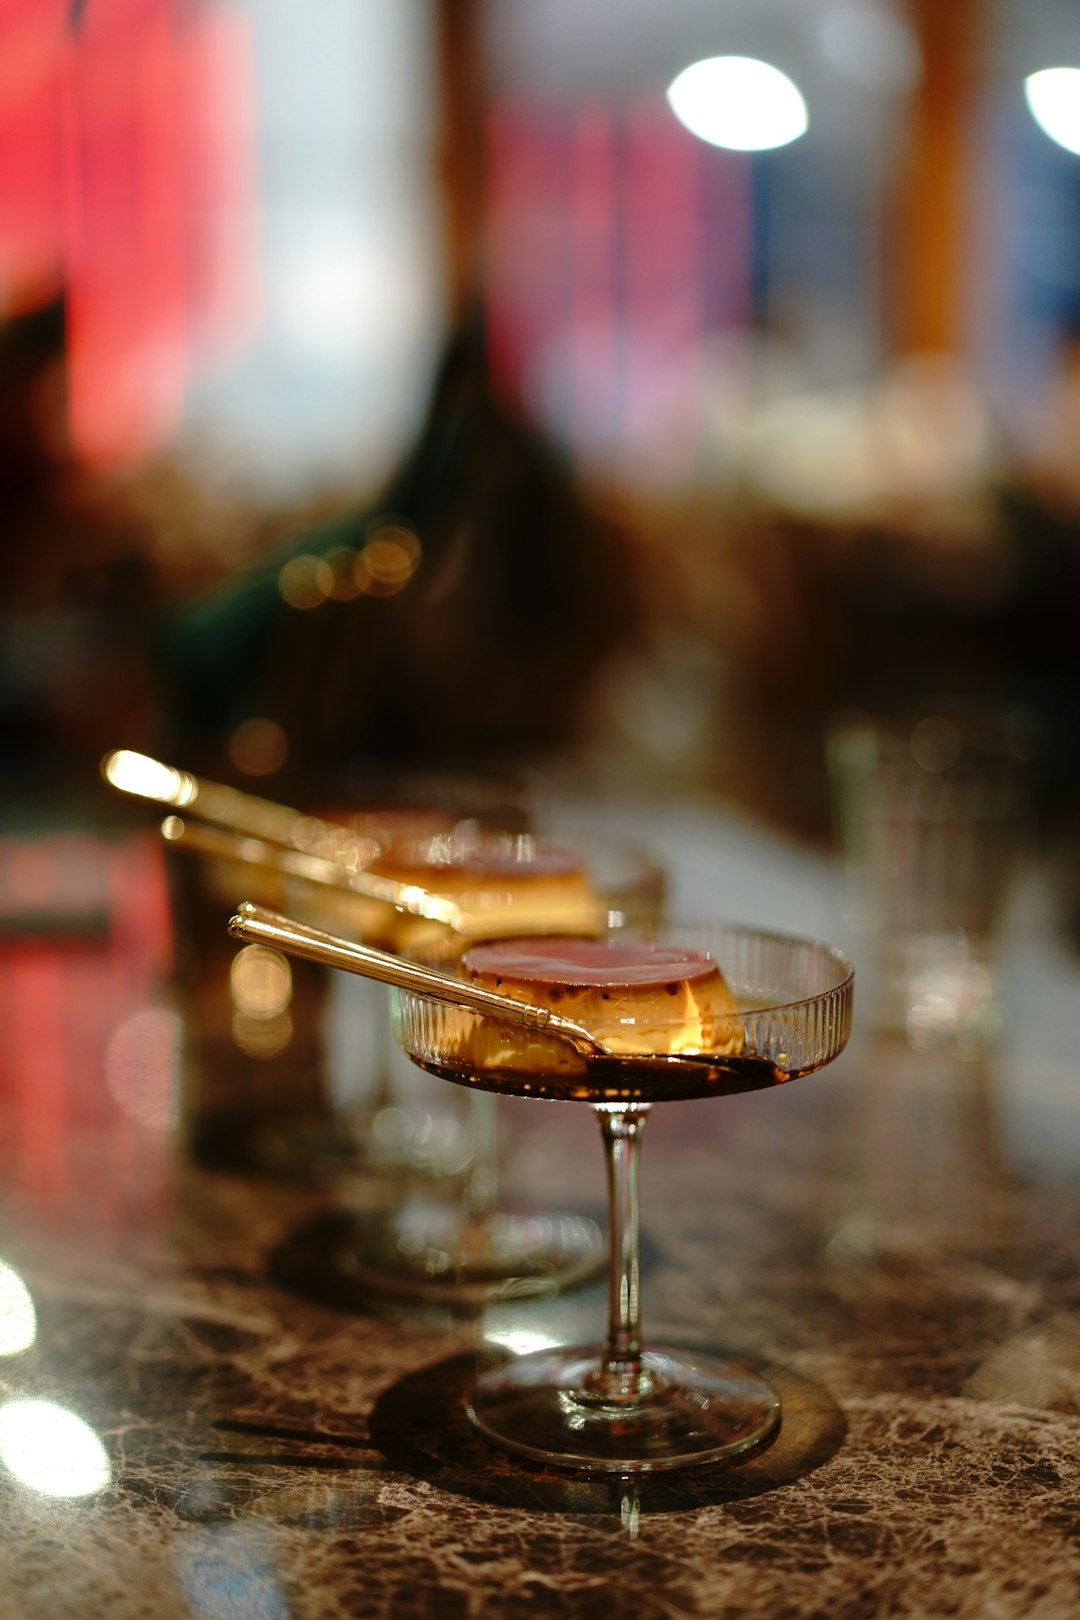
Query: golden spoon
{"type": "Point", "coordinates": [219, 844]}
{"type": "Point", "coordinates": [257, 925]}
{"type": "Point", "coordinates": [242, 813]}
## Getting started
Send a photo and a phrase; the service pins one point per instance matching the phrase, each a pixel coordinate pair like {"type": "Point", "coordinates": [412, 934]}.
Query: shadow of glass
{"type": "Point", "coordinates": [421, 1427]}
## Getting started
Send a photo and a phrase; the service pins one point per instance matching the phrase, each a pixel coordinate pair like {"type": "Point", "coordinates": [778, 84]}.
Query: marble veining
{"type": "Point", "coordinates": [283, 1449]}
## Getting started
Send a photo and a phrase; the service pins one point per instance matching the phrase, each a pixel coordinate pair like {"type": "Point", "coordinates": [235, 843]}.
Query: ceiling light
{"type": "Point", "coordinates": [738, 102]}
{"type": "Point", "coordinates": [1053, 94]}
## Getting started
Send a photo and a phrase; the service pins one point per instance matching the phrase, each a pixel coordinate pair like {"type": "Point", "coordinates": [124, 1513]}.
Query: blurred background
{"type": "Point", "coordinates": [450, 383]}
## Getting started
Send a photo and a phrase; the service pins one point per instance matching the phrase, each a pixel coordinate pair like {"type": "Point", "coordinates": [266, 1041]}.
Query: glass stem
{"type": "Point", "coordinates": [383, 1095]}
{"type": "Point", "coordinates": [621, 1375]}
{"type": "Point", "coordinates": [482, 1189]}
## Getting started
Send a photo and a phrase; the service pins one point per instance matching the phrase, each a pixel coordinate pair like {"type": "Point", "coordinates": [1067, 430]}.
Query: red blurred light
{"type": "Point", "coordinates": [126, 182]}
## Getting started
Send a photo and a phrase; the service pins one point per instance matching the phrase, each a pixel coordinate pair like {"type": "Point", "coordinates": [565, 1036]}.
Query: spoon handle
{"type": "Point", "coordinates": [143, 777]}
{"type": "Point", "coordinates": [251, 851]}
{"type": "Point", "coordinates": [253, 923]}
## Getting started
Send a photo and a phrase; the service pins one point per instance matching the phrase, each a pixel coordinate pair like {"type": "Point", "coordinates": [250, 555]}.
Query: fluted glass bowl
{"type": "Point", "coordinates": [793, 999]}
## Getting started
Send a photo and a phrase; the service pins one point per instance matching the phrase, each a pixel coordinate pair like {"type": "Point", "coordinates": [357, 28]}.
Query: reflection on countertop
{"type": "Point", "coordinates": [184, 1433]}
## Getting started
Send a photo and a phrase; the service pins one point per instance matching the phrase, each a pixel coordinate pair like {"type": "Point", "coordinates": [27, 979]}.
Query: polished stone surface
{"type": "Point", "coordinates": [897, 1240]}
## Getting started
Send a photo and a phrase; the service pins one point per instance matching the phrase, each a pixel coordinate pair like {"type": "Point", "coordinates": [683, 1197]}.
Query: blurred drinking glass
{"type": "Point", "coordinates": [931, 811]}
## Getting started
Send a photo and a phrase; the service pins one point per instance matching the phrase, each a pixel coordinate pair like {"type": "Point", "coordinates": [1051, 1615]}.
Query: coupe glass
{"type": "Point", "coordinates": [622, 1406]}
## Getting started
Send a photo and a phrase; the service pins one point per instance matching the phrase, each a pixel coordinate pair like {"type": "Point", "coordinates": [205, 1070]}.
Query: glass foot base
{"type": "Point", "coordinates": [553, 1406]}
{"type": "Point", "coordinates": [440, 1252]}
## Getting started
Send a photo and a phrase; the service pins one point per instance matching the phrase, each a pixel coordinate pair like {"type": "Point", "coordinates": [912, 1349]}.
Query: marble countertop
{"type": "Point", "coordinates": [206, 1410]}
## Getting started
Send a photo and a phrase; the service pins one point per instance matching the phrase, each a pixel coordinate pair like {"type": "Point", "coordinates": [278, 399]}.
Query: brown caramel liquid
{"type": "Point", "coordinates": [621, 1080]}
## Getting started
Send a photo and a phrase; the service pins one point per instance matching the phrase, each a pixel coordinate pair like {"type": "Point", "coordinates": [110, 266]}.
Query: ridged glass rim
{"type": "Point", "coordinates": [774, 936]}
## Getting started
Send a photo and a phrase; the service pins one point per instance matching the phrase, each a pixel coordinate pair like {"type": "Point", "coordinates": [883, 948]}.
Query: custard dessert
{"type": "Point", "coordinates": [500, 883]}
{"type": "Point", "coordinates": [639, 999]}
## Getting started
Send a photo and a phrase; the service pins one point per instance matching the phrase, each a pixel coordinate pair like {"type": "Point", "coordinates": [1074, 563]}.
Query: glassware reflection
{"type": "Point", "coordinates": [228, 1570]}
{"type": "Point", "coordinates": [49, 1448]}
{"type": "Point", "coordinates": [18, 1319]}
{"type": "Point", "coordinates": [926, 1170]}
{"type": "Point", "coordinates": [1039, 1367]}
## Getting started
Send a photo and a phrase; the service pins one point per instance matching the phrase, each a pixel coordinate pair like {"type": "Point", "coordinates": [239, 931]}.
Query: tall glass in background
{"type": "Point", "coordinates": [932, 811]}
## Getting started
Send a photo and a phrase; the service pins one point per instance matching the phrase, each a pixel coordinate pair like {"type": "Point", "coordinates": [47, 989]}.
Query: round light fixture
{"type": "Point", "coordinates": [1053, 95]}
{"type": "Point", "coordinates": [738, 102]}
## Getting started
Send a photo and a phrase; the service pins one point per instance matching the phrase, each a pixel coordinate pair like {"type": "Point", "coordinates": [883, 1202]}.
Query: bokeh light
{"type": "Point", "coordinates": [342, 562]}
{"type": "Point", "coordinates": [262, 1037]}
{"type": "Point", "coordinates": [738, 102]}
{"type": "Point", "coordinates": [50, 1449]}
{"type": "Point", "coordinates": [261, 982]}
{"type": "Point", "coordinates": [1053, 96]}
{"type": "Point", "coordinates": [18, 1319]}
{"type": "Point", "coordinates": [258, 747]}
{"type": "Point", "coordinates": [148, 778]}
{"type": "Point", "coordinates": [872, 47]}
{"type": "Point", "coordinates": [142, 1067]}
{"type": "Point", "coordinates": [388, 561]}
{"type": "Point", "coordinates": [306, 581]}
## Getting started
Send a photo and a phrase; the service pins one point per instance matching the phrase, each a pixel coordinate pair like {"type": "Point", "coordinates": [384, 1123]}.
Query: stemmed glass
{"type": "Point", "coordinates": [431, 1246]}
{"type": "Point", "coordinates": [474, 1247]}
{"type": "Point", "coordinates": [623, 1406]}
